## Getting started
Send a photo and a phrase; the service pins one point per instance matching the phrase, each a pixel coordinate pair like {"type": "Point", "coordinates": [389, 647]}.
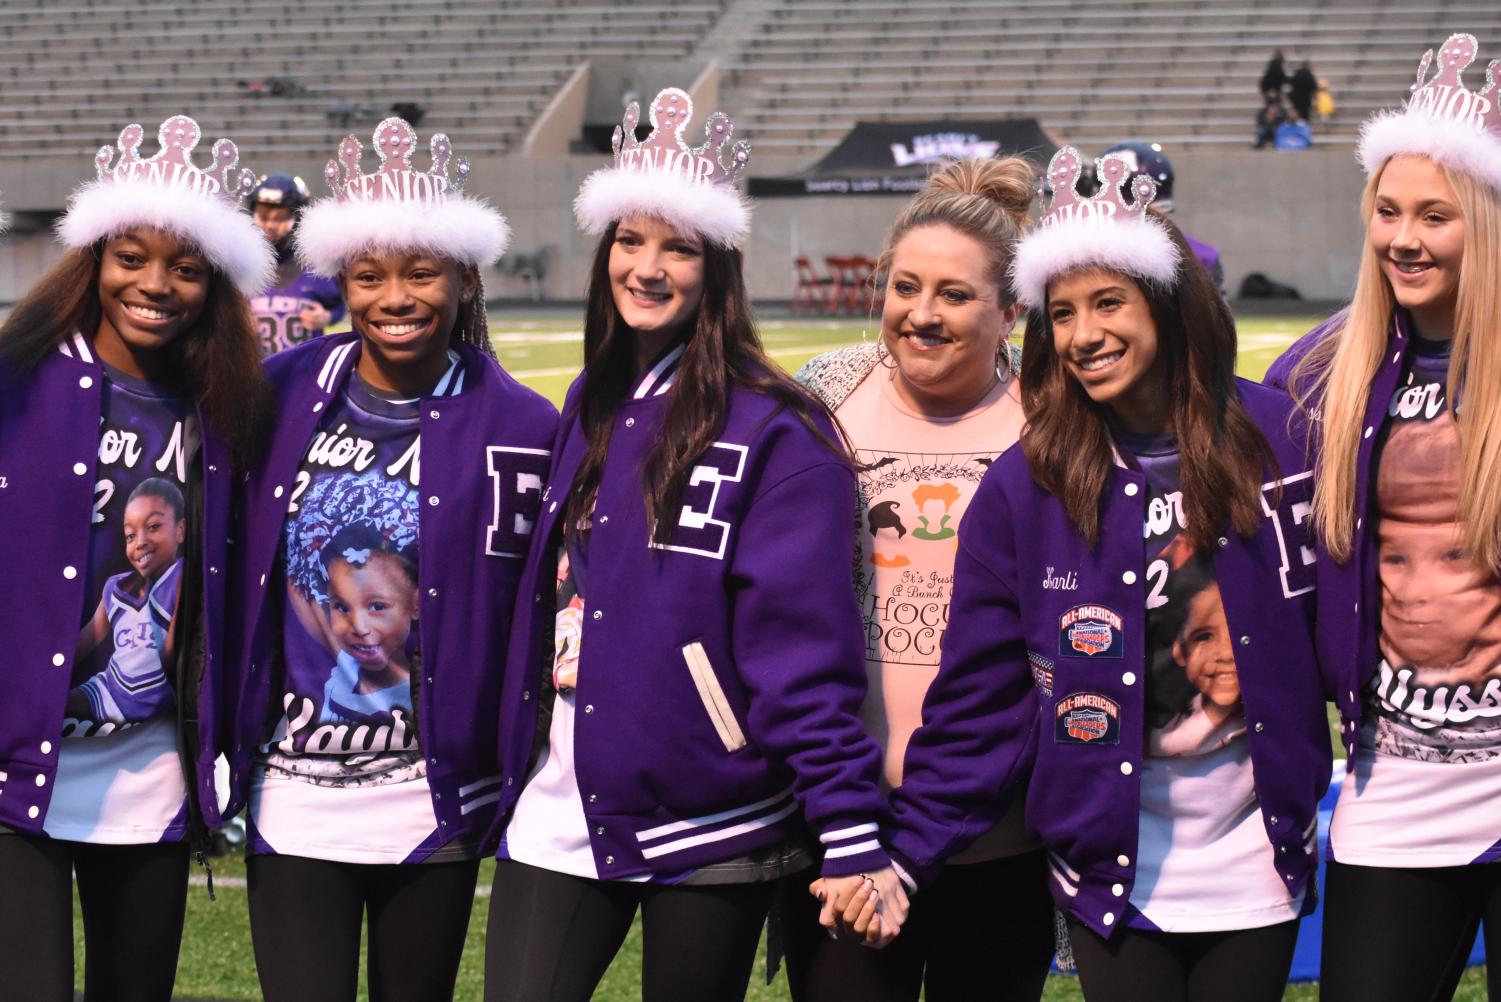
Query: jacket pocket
{"type": "Point", "coordinates": [711, 694]}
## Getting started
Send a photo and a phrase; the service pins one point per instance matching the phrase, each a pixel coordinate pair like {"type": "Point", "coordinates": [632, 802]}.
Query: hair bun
{"type": "Point", "coordinates": [1009, 182]}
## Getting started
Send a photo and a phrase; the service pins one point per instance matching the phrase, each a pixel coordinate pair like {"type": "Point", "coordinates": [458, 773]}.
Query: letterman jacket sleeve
{"type": "Point", "coordinates": [976, 745]}
{"type": "Point", "coordinates": [797, 643]}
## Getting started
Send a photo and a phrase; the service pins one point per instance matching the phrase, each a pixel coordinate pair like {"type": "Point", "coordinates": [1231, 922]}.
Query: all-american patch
{"type": "Point", "coordinates": [1090, 631]}
{"type": "Point", "coordinates": [1042, 672]}
{"type": "Point", "coordinates": [1087, 718]}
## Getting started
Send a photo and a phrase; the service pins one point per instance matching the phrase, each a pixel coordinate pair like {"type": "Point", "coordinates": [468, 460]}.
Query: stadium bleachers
{"type": "Point", "coordinates": [72, 72]}
{"type": "Point", "coordinates": [1091, 71]}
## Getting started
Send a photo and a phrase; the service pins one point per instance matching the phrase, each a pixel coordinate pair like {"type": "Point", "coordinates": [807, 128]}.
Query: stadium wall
{"type": "Point", "coordinates": [1291, 216]}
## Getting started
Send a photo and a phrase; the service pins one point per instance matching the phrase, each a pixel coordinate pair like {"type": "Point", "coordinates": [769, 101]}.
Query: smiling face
{"type": "Point", "coordinates": [1106, 338]}
{"type": "Point", "coordinates": [1203, 649]}
{"type": "Point", "coordinates": [153, 534]}
{"type": "Point", "coordinates": [404, 307]}
{"type": "Point", "coordinates": [944, 320]}
{"type": "Point", "coordinates": [657, 280]}
{"type": "Point", "coordinates": [372, 607]}
{"type": "Point", "coordinates": [152, 290]}
{"type": "Point", "coordinates": [1417, 235]}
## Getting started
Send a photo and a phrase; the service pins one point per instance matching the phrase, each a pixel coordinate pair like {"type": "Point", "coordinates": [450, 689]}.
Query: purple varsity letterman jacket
{"type": "Point", "coordinates": [721, 675]}
{"type": "Point", "coordinates": [484, 461]}
{"type": "Point", "coordinates": [49, 449]}
{"type": "Point", "coordinates": [1349, 593]}
{"type": "Point", "coordinates": [1046, 631]}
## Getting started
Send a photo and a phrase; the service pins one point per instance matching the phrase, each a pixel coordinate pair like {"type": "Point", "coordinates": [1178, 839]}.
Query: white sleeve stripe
{"type": "Point", "coordinates": [847, 833]}
{"type": "Point", "coordinates": [853, 850]}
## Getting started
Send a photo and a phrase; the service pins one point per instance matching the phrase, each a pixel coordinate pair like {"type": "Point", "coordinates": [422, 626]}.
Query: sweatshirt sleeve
{"type": "Point", "coordinates": [976, 745]}
{"type": "Point", "coordinates": [797, 642]}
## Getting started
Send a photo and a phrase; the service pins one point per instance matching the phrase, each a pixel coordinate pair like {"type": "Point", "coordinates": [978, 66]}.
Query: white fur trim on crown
{"type": "Point", "coordinates": [717, 212]}
{"type": "Point", "coordinates": [1458, 145]}
{"type": "Point", "coordinates": [332, 231]}
{"type": "Point", "coordinates": [1135, 246]}
{"type": "Point", "coordinates": [228, 237]}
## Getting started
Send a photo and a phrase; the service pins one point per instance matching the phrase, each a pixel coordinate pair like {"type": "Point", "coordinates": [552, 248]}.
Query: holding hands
{"type": "Point", "coordinates": [871, 905]}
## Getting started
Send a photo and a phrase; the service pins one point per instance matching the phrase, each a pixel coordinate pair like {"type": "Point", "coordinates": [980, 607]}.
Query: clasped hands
{"type": "Point", "coordinates": [870, 906]}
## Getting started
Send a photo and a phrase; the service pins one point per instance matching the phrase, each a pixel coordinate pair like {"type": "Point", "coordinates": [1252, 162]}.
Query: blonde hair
{"type": "Point", "coordinates": [987, 200]}
{"type": "Point", "coordinates": [1333, 382]}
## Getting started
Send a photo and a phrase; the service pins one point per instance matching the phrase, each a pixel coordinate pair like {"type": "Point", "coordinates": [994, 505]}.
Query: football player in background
{"type": "Point", "coordinates": [301, 305]}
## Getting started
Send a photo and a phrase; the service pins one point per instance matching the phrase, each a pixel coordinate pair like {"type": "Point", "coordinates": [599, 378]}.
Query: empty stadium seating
{"type": "Point", "coordinates": [72, 72]}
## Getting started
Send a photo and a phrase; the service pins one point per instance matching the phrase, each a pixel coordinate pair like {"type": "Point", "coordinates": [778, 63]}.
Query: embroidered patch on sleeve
{"type": "Point", "coordinates": [1087, 718]}
{"type": "Point", "coordinates": [1042, 672]}
{"type": "Point", "coordinates": [1090, 631]}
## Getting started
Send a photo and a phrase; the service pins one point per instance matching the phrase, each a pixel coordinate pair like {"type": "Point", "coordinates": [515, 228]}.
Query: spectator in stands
{"type": "Point", "coordinates": [1271, 116]}
{"type": "Point", "coordinates": [1408, 520]}
{"type": "Point", "coordinates": [364, 744]}
{"type": "Point", "coordinates": [301, 305]}
{"type": "Point", "coordinates": [1323, 102]}
{"type": "Point", "coordinates": [926, 410]}
{"type": "Point", "coordinates": [1273, 78]}
{"type": "Point", "coordinates": [1089, 666]}
{"type": "Point", "coordinates": [1301, 89]}
{"type": "Point", "coordinates": [1293, 134]}
{"type": "Point", "coordinates": [132, 397]}
{"type": "Point", "coordinates": [699, 645]}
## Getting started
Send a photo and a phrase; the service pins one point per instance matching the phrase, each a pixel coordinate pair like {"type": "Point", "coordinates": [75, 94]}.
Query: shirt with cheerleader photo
{"type": "Point", "coordinates": [1204, 863]}
{"type": "Point", "coordinates": [342, 740]}
{"type": "Point", "coordinates": [118, 776]}
{"type": "Point", "coordinates": [1429, 775]}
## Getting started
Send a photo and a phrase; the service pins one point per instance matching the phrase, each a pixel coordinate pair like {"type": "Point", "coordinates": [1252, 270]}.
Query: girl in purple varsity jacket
{"type": "Point", "coordinates": [384, 536]}
{"type": "Point", "coordinates": [1130, 643]}
{"type": "Point", "coordinates": [1408, 510]}
{"type": "Point", "coordinates": [684, 684]}
{"type": "Point", "coordinates": [130, 390]}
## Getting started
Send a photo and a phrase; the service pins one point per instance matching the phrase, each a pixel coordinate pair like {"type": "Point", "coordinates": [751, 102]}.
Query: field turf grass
{"type": "Point", "coordinates": [545, 352]}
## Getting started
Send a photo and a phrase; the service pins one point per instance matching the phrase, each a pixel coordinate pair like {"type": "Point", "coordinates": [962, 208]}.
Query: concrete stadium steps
{"type": "Point", "coordinates": [73, 72]}
{"type": "Point", "coordinates": [1090, 71]}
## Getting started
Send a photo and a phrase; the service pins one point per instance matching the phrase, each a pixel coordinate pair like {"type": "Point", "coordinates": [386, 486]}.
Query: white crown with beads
{"type": "Point", "coordinates": [691, 187]}
{"type": "Point", "coordinates": [1078, 231]}
{"type": "Point", "coordinates": [398, 208]}
{"type": "Point", "coordinates": [1443, 120]}
{"type": "Point", "coordinates": [169, 192]}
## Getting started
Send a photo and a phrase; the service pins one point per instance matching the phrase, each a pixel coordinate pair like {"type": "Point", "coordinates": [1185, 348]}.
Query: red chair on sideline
{"type": "Point", "coordinates": [813, 292]}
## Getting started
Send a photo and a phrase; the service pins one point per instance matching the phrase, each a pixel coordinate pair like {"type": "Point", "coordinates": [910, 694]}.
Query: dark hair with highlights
{"type": "Point", "coordinates": [218, 359]}
{"type": "Point", "coordinates": [723, 349]}
{"type": "Point", "coordinates": [1224, 456]}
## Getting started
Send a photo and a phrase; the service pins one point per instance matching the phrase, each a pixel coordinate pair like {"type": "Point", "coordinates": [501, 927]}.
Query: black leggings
{"type": "Point", "coordinates": [132, 897]}
{"type": "Point", "coordinates": [552, 936]}
{"type": "Point", "coordinates": [305, 917]}
{"type": "Point", "coordinates": [1243, 965]}
{"type": "Point", "coordinates": [1404, 934]}
{"type": "Point", "coordinates": [980, 931]}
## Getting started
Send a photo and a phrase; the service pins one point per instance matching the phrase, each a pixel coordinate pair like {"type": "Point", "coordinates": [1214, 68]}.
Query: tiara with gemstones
{"type": "Point", "coordinates": [1443, 119]}
{"type": "Point", "coordinates": [1099, 230]}
{"type": "Point", "coordinates": [173, 166]}
{"type": "Point", "coordinates": [395, 179]}
{"type": "Point", "coordinates": [690, 187]}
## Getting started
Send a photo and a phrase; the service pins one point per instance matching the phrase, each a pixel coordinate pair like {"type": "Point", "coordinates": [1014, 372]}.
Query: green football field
{"type": "Point", "coordinates": [545, 352]}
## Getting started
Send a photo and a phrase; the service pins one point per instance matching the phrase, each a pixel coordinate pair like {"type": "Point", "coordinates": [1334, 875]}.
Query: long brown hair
{"type": "Point", "coordinates": [1333, 381]}
{"type": "Point", "coordinates": [723, 349]}
{"type": "Point", "coordinates": [1224, 456]}
{"type": "Point", "coordinates": [218, 359]}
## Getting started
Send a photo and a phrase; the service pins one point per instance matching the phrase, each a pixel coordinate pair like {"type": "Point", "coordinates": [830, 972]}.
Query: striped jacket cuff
{"type": "Point", "coordinates": [853, 848]}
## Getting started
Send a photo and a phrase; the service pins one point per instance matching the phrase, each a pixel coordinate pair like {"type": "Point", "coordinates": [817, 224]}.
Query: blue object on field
{"type": "Point", "coordinates": [1310, 933]}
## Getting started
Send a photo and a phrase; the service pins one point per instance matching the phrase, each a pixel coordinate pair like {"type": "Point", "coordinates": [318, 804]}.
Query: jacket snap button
{"type": "Point", "coordinates": [1131, 490]}
{"type": "Point", "coordinates": [593, 797]}
{"type": "Point", "coordinates": [510, 780]}
{"type": "Point", "coordinates": [630, 422]}
{"type": "Point", "coordinates": [1126, 769]}
{"type": "Point", "coordinates": [432, 500]}
{"type": "Point", "coordinates": [1273, 819]}
{"type": "Point", "coordinates": [58, 660]}
{"type": "Point", "coordinates": [85, 382]}
{"type": "Point", "coordinates": [317, 407]}
{"type": "Point", "coordinates": [80, 469]}
{"type": "Point", "coordinates": [41, 780]}
{"type": "Point", "coordinates": [1260, 727]}
{"type": "Point", "coordinates": [278, 492]}
{"type": "Point", "coordinates": [525, 695]}
{"type": "Point", "coordinates": [1117, 889]}
{"type": "Point", "coordinates": [1123, 860]}
{"type": "Point", "coordinates": [1245, 641]}
{"type": "Point", "coordinates": [433, 415]}
{"type": "Point", "coordinates": [432, 593]}
{"type": "Point", "coordinates": [33, 811]}
{"type": "Point", "coordinates": [1129, 577]}
{"type": "Point", "coordinates": [70, 572]}
{"type": "Point", "coordinates": [1223, 542]}
{"type": "Point", "coordinates": [598, 614]}
{"type": "Point", "coordinates": [1109, 918]}
{"type": "Point", "coordinates": [1129, 678]}
{"type": "Point", "coordinates": [604, 519]}
{"type": "Point", "coordinates": [589, 708]}
{"type": "Point", "coordinates": [600, 830]}
{"type": "Point", "coordinates": [46, 747]}
{"type": "Point", "coordinates": [1369, 431]}
{"type": "Point", "coordinates": [609, 860]}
